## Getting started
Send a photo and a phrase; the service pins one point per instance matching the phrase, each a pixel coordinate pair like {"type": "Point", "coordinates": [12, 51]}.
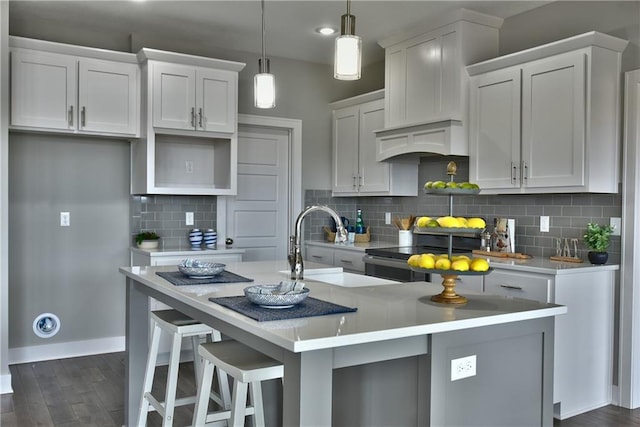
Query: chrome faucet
{"type": "Point", "coordinates": [295, 253]}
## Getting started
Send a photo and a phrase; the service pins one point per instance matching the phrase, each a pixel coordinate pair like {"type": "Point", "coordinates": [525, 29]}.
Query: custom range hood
{"type": "Point", "coordinates": [426, 83]}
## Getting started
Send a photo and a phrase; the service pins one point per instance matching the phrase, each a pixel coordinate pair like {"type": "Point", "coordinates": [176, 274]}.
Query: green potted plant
{"type": "Point", "coordinates": [597, 239]}
{"type": "Point", "coordinates": [147, 240]}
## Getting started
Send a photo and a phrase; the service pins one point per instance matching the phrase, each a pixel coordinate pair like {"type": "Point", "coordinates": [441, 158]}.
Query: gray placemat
{"type": "Point", "coordinates": [308, 308]}
{"type": "Point", "coordinates": [179, 279]}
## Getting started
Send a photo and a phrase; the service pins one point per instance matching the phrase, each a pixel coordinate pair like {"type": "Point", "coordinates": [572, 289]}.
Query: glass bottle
{"type": "Point", "coordinates": [359, 223]}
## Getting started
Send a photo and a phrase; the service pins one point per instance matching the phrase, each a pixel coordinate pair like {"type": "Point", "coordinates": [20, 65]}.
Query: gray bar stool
{"type": "Point", "coordinates": [248, 367]}
{"type": "Point", "coordinates": [178, 326]}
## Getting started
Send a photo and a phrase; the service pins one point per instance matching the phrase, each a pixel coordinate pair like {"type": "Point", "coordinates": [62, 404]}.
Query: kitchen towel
{"type": "Point", "coordinates": [179, 279]}
{"type": "Point", "coordinates": [310, 307]}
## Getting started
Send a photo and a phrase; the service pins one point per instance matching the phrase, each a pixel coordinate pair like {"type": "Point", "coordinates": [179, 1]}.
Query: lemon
{"type": "Point", "coordinates": [433, 223]}
{"type": "Point", "coordinates": [439, 184]}
{"type": "Point", "coordinates": [475, 186]}
{"type": "Point", "coordinates": [442, 256]}
{"type": "Point", "coordinates": [428, 184]}
{"type": "Point", "coordinates": [457, 257]}
{"type": "Point", "coordinates": [423, 221]}
{"type": "Point", "coordinates": [413, 260]}
{"type": "Point", "coordinates": [460, 265]}
{"type": "Point", "coordinates": [462, 222]}
{"type": "Point", "coordinates": [447, 222]}
{"type": "Point", "coordinates": [466, 185]}
{"type": "Point", "coordinates": [426, 261]}
{"type": "Point", "coordinates": [479, 264]}
{"type": "Point", "coordinates": [443, 264]}
{"type": "Point", "coordinates": [452, 184]}
{"type": "Point", "coordinates": [476, 223]}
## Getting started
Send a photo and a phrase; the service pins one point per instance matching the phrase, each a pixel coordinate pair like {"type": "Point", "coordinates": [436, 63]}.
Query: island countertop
{"type": "Point", "coordinates": [385, 311]}
{"type": "Point", "coordinates": [393, 321]}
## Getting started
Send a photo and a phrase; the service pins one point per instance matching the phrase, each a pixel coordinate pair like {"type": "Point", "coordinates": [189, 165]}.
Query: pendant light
{"type": "Point", "coordinates": [264, 90]}
{"type": "Point", "coordinates": [348, 53]}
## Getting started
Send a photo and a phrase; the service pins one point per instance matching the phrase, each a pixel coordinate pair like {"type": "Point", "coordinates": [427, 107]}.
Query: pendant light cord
{"type": "Point", "coordinates": [264, 48]}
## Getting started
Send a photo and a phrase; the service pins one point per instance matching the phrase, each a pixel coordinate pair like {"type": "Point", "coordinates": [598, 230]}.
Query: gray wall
{"type": "Point", "coordinates": [69, 271]}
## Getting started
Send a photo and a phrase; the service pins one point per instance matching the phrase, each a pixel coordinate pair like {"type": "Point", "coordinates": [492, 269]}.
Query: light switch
{"type": "Point", "coordinates": [188, 218]}
{"type": "Point", "coordinates": [616, 223]}
{"type": "Point", "coordinates": [65, 219]}
{"type": "Point", "coordinates": [544, 224]}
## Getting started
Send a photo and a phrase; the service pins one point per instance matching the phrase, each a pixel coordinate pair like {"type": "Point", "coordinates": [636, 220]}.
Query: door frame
{"type": "Point", "coordinates": [629, 347]}
{"type": "Point", "coordinates": [294, 128]}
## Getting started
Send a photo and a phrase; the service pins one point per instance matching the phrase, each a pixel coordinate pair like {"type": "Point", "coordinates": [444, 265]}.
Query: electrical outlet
{"type": "Point", "coordinates": [544, 224]}
{"type": "Point", "coordinates": [615, 222]}
{"type": "Point", "coordinates": [189, 167]}
{"type": "Point", "coordinates": [387, 217]}
{"type": "Point", "coordinates": [65, 219]}
{"type": "Point", "coordinates": [463, 367]}
{"type": "Point", "coordinates": [188, 218]}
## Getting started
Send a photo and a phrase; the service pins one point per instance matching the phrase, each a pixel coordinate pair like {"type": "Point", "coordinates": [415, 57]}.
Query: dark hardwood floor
{"type": "Point", "coordinates": [88, 391]}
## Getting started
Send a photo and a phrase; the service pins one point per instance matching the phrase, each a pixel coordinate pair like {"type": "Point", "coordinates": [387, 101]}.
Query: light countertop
{"type": "Point", "coordinates": [394, 310]}
{"type": "Point", "coordinates": [186, 252]}
{"type": "Point", "coordinates": [547, 266]}
{"type": "Point", "coordinates": [356, 247]}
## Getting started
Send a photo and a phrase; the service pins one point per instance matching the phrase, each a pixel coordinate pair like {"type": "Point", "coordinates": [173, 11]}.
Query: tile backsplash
{"type": "Point", "coordinates": [165, 214]}
{"type": "Point", "coordinates": [568, 213]}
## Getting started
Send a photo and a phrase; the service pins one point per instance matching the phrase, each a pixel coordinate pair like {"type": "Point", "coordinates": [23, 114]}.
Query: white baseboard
{"type": "Point", "coordinates": [5, 384]}
{"type": "Point", "coordinates": [65, 350]}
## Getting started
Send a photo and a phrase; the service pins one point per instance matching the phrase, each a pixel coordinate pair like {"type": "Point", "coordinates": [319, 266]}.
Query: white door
{"type": "Point", "coordinates": [345, 150]}
{"type": "Point", "coordinates": [174, 96]}
{"type": "Point", "coordinates": [258, 216]}
{"type": "Point", "coordinates": [373, 176]}
{"type": "Point", "coordinates": [216, 100]}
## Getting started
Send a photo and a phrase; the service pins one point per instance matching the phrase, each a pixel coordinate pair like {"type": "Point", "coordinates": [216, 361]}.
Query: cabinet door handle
{"type": "Point", "coordinates": [514, 173]}
{"type": "Point", "coordinates": [355, 181]}
{"type": "Point", "coordinates": [504, 285]}
{"type": "Point", "coordinates": [200, 118]}
{"type": "Point", "coordinates": [83, 112]}
{"type": "Point", "coordinates": [193, 117]}
{"type": "Point", "coordinates": [360, 180]}
{"type": "Point", "coordinates": [525, 172]}
{"type": "Point", "coordinates": [71, 115]}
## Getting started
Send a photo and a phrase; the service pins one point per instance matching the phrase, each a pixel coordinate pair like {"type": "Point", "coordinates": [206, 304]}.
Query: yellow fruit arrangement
{"type": "Point", "coordinates": [450, 222]}
{"type": "Point", "coordinates": [439, 185]}
{"type": "Point", "coordinates": [442, 262]}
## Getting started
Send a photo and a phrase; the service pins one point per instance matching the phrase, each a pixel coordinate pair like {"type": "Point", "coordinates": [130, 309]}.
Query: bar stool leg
{"type": "Point", "coordinates": [238, 404]}
{"type": "Point", "coordinates": [149, 374]}
{"type": "Point", "coordinates": [202, 399]}
{"type": "Point", "coordinates": [172, 380]}
{"type": "Point", "coordinates": [223, 386]}
{"type": "Point", "coordinates": [255, 392]}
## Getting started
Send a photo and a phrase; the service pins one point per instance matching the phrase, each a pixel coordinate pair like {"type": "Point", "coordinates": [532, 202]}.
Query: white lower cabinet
{"type": "Point", "coordinates": [583, 357]}
{"type": "Point", "coordinates": [350, 260]}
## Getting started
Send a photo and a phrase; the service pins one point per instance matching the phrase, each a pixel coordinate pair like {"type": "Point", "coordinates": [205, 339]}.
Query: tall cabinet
{"type": "Point", "coordinates": [356, 172]}
{"type": "Point", "coordinates": [547, 119]}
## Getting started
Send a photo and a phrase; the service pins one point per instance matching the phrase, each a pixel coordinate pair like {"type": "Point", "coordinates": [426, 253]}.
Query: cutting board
{"type": "Point", "coordinates": [516, 255]}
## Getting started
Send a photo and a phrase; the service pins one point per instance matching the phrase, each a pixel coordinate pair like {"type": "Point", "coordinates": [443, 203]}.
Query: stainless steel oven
{"type": "Point", "coordinates": [391, 263]}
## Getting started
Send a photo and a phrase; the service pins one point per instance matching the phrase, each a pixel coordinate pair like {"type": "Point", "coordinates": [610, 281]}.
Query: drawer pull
{"type": "Point", "coordinates": [511, 287]}
{"type": "Point", "coordinates": [346, 261]}
{"type": "Point", "coordinates": [316, 256]}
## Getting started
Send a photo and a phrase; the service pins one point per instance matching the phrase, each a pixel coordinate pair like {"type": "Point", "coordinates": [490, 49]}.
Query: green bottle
{"type": "Point", "coordinates": [359, 223]}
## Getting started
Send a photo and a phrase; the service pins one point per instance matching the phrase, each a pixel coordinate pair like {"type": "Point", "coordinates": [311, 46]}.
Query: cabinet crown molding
{"type": "Point", "coordinates": [74, 50]}
{"type": "Point", "coordinates": [590, 39]}
{"type": "Point", "coordinates": [146, 54]}
{"type": "Point", "coordinates": [358, 99]}
{"type": "Point", "coordinates": [438, 21]}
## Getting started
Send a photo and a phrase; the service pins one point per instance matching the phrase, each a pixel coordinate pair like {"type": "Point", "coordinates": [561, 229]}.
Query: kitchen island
{"type": "Point", "coordinates": [511, 339]}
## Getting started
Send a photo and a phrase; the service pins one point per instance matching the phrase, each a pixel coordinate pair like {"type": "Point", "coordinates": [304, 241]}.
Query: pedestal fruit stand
{"type": "Point", "coordinates": [449, 277]}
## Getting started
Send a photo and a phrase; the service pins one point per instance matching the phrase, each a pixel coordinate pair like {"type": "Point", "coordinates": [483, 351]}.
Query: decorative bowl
{"type": "Point", "coordinates": [270, 296]}
{"type": "Point", "coordinates": [200, 270]}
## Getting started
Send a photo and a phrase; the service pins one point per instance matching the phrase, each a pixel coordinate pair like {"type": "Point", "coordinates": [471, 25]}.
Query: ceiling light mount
{"type": "Point", "coordinates": [348, 50]}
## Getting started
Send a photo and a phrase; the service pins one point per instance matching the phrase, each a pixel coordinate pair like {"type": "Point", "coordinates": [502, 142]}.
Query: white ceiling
{"type": "Point", "coordinates": [236, 25]}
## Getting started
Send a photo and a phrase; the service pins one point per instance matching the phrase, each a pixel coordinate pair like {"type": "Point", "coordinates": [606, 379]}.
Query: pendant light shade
{"type": "Point", "coordinates": [264, 89]}
{"type": "Point", "coordinates": [348, 50]}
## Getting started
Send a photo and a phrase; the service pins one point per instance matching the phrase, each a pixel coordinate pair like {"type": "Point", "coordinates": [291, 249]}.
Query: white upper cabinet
{"type": "Point", "coordinates": [190, 143]}
{"type": "Point", "coordinates": [194, 98]}
{"type": "Point", "coordinates": [66, 92]}
{"type": "Point", "coordinates": [356, 172]}
{"type": "Point", "coordinates": [546, 119]}
{"type": "Point", "coordinates": [426, 83]}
